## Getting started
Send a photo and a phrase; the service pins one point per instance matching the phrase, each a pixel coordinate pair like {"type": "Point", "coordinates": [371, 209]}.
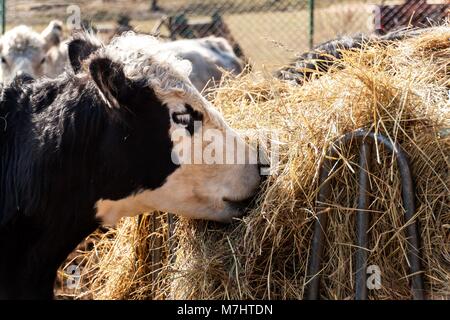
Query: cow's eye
{"type": "Point", "coordinates": [4, 60]}
{"type": "Point", "coordinates": [43, 60]}
{"type": "Point", "coordinates": [188, 118]}
{"type": "Point", "coordinates": [182, 118]}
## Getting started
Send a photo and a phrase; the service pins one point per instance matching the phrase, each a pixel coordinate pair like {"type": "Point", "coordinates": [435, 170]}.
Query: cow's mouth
{"type": "Point", "coordinates": [242, 205]}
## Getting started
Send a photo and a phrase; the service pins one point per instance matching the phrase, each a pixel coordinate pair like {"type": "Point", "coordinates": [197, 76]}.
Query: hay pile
{"type": "Point", "coordinates": [400, 91]}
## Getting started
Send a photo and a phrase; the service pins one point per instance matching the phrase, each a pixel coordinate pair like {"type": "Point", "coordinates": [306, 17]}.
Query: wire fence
{"type": "Point", "coordinates": [267, 32]}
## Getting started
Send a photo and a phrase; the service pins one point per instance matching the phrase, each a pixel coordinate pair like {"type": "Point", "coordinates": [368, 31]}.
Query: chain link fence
{"type": "Point", "coordinates": [267, 32]}
{"type": "Point", "coordinates": [270, 32]}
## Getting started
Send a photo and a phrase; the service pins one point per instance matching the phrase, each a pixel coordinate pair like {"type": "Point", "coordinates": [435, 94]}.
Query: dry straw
{"type": "Point", "coordinates": [399, 90]}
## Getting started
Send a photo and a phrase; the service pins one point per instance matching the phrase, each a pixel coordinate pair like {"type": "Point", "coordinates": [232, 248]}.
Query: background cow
{"type": "Point", "coordinates": [25, 51]}
{"type": "Point", "coordinates": [92, 146]}
{"type": "Point", "coordinates": [327, 54]}
{"type": "Point", "coordinates": [209, 57]}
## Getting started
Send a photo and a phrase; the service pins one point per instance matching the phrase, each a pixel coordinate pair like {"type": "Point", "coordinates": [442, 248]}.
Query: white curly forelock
{"type": "Point", "coordinates": [144, 61]}
{"type": "Point", "coordinates": [22, 38]}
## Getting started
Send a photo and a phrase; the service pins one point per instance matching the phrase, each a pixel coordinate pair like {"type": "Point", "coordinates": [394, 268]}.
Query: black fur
{"type": "Point", "coordinates": [62, 149]}
{"type": "Point", "coordinates": [79, 50]}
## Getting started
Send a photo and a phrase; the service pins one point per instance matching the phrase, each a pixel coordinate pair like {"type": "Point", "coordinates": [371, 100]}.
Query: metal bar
{"type": "Point", "coordinates": [320, 225]}
{"type": "Point", "coordinates": [412, 233]}
{"type": "Point", "coordinates": [362, 222]}
{"type": "Point", "coordinates": [3, 15]}
{"type": "Point", "coordinates": [412, 228]}
{"type": "Point", "coordinates": [315, 259]}
{"type": "Point", "coordinates": [311, 23]}
{"type": "Point", "coordinates": [170, 231]}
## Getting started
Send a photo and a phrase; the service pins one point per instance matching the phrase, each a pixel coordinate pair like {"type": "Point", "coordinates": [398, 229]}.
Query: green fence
{"type": "Point", "coordinates": [2, 16]}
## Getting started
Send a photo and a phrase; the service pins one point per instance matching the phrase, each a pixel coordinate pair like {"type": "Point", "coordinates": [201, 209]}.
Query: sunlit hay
{"type": "Point", "coordinates": [400, 91]}
{"type": "Point", "coordinates": [68, 283]}
{"type": "Point", "coordinates": [128, 262]}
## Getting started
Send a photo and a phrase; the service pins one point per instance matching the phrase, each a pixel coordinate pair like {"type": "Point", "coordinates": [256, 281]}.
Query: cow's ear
{"type": "Point", "coordinates": [110, 80]}
{"type": "Point", "coordinates": [80, 49]}
{"type": "Point", "coordinates": [53, 34]}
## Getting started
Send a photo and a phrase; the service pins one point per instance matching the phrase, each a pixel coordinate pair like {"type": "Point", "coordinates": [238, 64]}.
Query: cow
{"type": "Point", "coordinates": [25, 51]}
{"type": "Point", "coordinates": [209, 56]}
{"type": "Point", "coordinates": [319, 60]}
{"type": "Point", "coordinates": [98, 143]}
{"type": "Point", "coordinates": [326, 55]}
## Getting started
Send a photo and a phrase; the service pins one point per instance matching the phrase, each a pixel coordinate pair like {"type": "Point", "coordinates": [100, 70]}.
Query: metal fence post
{"type": "Point", "coordinates": [3, 15]}
{"type": "Point", "coordinates": [311, 23]}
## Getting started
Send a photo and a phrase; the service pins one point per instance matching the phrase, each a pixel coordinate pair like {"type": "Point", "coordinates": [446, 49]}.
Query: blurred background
{"type": "Point", "coordinates": [269, 33]}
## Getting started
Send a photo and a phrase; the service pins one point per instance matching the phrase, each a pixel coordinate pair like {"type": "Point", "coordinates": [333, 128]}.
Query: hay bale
{"type": "Point", "coordinates": [399, 90]}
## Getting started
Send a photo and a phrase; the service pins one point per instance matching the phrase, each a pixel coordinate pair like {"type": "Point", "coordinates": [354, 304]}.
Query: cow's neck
{"type": "Point", "coordinates": [49, 220]}
{"type": "Point", "coordinates": [50, 206]}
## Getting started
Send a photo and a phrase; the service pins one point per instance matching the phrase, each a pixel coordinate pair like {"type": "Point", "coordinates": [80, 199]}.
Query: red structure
{"type": "Point", "coordinates": [416, 13]}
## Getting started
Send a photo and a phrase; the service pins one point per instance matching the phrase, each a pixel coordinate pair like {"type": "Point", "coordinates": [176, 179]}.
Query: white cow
{"type": "Point", "coordinates": [208, 56]}
{"type": "Point", "coordinates": [25, 51]}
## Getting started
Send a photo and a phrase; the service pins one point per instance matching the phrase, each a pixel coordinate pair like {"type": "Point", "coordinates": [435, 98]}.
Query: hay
{"type": "Point", "coordinates": [400, 91]}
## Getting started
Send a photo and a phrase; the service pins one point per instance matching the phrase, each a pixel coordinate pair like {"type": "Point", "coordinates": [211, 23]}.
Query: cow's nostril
{"type": "Point", "coordinates": [23, 77]}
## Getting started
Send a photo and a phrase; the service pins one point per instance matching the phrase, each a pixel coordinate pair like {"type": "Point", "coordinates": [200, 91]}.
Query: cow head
{"type": "Point", "coordinates": [164, 119]}
{"type": "Point", "coordinates": [24, 51]}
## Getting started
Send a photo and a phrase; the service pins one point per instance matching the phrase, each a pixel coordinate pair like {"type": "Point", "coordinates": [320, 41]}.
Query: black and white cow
{"type": "Point", "coordinates": [321, 58]}
{"type": "Point", "coordinates": [95, 145]}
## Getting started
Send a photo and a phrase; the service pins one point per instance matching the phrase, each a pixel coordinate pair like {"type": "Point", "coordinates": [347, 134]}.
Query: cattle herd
{"type": "Point", "coordinates": [85, 138]}
{"type": "Point", "coordinates": [25, 51]}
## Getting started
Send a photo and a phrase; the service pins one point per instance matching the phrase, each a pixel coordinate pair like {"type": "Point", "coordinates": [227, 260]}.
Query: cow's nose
{"type": "Point", "coordinates": [23, 74]}
{"type": "Point", "coordinates": [23, 77]}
